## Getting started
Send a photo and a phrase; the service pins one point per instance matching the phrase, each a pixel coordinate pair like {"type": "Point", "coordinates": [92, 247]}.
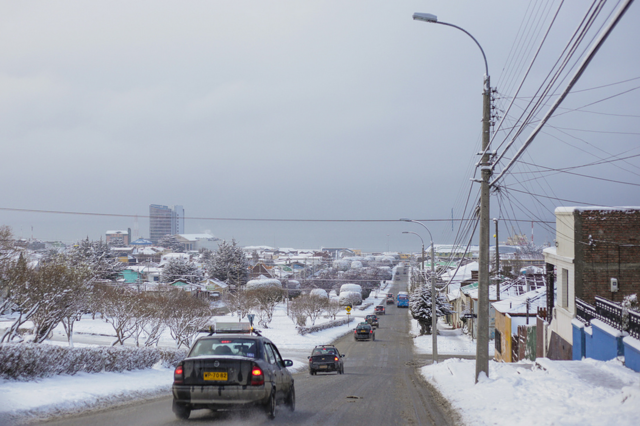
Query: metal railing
{"type": "Point", "coordinates": [634, 324]}
{"type": "Point", "coordinates": [584, 311]}
{"type": "Point", "coordinates": [609, 312]}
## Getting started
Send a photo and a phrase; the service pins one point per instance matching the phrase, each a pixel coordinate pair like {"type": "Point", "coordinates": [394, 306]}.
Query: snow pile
{"type": "Point", "coordinates": [586, 392]}
{"type": "Point", "coordinates": [350, 298]}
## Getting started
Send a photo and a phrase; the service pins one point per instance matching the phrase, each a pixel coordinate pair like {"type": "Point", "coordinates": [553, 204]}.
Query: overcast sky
{"type": "Point", "coordinates": [324, 110]}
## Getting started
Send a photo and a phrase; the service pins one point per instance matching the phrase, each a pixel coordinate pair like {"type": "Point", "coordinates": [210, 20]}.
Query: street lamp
{"type": "Point", "coordinates": [422, 262]}
{"type": "Point", "coordinates": [434, 309]}
{"type": "Point", "coordinates": [482, 347]}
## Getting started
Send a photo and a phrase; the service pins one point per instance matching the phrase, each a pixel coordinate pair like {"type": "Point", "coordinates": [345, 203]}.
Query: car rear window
{"type": "Point", "coordinates": [225, 346]}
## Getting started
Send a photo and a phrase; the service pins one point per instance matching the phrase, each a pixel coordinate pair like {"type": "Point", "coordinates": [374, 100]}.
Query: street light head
{"type": "Point", "coordinates": [404, 219]}
{"type": "Point", "coordinates": [405, 232]}
{"type": "Point", "coordinates": [426, 17]}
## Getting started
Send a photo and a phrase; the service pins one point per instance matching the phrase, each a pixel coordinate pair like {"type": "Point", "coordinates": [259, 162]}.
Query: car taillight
{"type": "Point", "coordinates": [336, 358]}
{"type": "Point", "coordinates": [370, 331]}
{"type": "Point", "coordinates": [257, 376]}
{"type": "Point", "coordinates": [178, 375]}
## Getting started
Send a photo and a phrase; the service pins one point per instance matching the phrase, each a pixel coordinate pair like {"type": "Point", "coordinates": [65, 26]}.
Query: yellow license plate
{"type": "Point", "coordinates": [217, 376]}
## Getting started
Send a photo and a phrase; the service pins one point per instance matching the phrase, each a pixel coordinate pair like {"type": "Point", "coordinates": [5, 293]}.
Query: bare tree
{"type": "Point", "coordinates": [186, 315]}
{"type": "Point", "coordinates": [152, 317]}
{"type": "Point", "coordinates": [120, 309]}
{"type": "Point", "coordinates": [266, 298]}
{"type": "Point", "coordinates": [315, 306]}
{"type": "Point", "coordinates": [297, 311]}
{"type": "Point", "coordinates": [332, 309]}
{"type": "Point", "coordinates": [240, 302]}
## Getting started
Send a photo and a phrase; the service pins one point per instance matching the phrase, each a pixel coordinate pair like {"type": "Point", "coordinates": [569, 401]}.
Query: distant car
{"type": "Point", "coordinates": [379, 310]}
{"type": "Point", "coordinates": [325, 358]}
{"type": "Point", "coordinates": [364, 331]}
{"type": "Point", "coordinates": [390, 301]}
{"type": "Point", "coordinates": [232, 371]}
{"type": "Point", "coordinates": [373, 320]}
{"type": "Point", "coordinates": [390, 295]}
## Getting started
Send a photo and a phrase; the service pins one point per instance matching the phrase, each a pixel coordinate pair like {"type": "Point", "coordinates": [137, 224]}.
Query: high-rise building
{"type": "Point", "coordinates": [165, 221]}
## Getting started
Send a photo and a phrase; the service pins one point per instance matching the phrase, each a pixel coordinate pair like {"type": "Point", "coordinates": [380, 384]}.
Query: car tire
{"type": "Point", "coordinates": [374, 337]}
{"type": "Point", "coordinates": [290, 402]}
{"type": "Point", "coordinates": [270, 408]}
{"type": "Point", "coordinates": [311, 372]}
{"type": "Point", "coordinates": [181, 411]}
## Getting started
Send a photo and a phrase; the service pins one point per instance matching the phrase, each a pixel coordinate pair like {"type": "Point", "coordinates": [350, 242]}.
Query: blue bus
{"type": "Point", "coordinates": [402, 300]}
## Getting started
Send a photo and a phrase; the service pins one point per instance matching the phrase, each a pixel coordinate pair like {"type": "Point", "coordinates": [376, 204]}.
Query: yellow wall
{"type": "Point", "coordinates": [503, 325]}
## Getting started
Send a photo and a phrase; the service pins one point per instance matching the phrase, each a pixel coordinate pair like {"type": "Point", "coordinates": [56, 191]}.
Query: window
{"type": "Point", "coordinates": [271, 357]}
{"type": "Point", "coordinates": [564, 301]}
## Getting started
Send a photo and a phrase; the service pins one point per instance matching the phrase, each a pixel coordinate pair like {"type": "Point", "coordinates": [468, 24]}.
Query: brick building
{"type": "Point", "coordinates": [595, 246]}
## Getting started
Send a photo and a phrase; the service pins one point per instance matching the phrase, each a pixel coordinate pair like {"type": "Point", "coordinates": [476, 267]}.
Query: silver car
{"type": "Point", "coordinates": [224, 372]}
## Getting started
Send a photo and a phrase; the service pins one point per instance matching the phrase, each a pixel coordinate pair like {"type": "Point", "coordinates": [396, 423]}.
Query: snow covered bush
{"type": "Point", "coordinates": [350, 298]}
{"type": "Point", "coordinates": [262, 283]}
{"type": "Point", "coordinates": [356, 264]}
{"type": "Point", "coordinates": [28, 361]}
{"type": "Point", "coordinates": [319, 292]}
{"type": "Point", "coordinates": [351, 287]}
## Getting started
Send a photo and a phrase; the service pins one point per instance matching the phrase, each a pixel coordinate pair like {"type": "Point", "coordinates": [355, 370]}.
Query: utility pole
{"type": "Point", "coordinates": [495, 220]}
{"type": "Point", "coordinates": [482, 345]}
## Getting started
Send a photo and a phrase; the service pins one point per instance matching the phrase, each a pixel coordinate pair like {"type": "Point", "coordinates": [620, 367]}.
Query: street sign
{"type": "Point", "coordinates": [250, 317]}
{"type": "Point", "coordinates": [348, 308]}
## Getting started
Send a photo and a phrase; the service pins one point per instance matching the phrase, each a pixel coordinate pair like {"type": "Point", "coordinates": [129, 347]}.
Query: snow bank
{"type": "Point", "coordinates": [586, 392]}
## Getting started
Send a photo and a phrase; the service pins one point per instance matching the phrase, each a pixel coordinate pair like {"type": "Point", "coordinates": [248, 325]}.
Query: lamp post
{"type": "Point", "coordinates": [482, 347]}
{"type": "Point", "coordinates": [434, 309]}
{"type": "Point", "coordinates": [421, 263]}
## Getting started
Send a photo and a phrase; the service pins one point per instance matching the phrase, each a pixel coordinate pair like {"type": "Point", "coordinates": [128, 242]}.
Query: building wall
{"type": "Point", "coordinates": [607, 246]}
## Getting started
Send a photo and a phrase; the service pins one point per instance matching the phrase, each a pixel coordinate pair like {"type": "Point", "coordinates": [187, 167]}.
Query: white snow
{"type": "Point", "coordinates": [579, 393]}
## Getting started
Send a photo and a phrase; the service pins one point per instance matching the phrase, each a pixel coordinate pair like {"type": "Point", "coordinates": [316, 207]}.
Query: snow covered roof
{"type": "Point", "coordinates": [140, 242]}
{"type": "Point", "coordinates": [598, 208]}
{"type": "Point", "coordinates": [196, 237]}
{"type": "Point", "coordinates": [463, 274]}
{"type": "Point", "coordinates": [518, 304]}
{"type": "Point", "coordinates": [509, 288]}
{"type": "Point", "coordinates": [117, 232]}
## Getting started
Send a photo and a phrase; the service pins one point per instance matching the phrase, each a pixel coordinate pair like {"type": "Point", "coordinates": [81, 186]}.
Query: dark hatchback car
{"type": "Point", "coordinates": [232, 371]}
{"type": "Point", "coordinates": [364, 331]}
{"type": "Point", "coordinates": [379, 310]}
{"type": "Point", "coordinates": [373, 320]}
{"type": "Point", "coordinates": [324, 359]}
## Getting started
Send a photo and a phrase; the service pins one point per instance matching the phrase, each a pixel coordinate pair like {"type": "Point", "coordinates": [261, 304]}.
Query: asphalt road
{"type": "Point", "coordinates": [381, 386]}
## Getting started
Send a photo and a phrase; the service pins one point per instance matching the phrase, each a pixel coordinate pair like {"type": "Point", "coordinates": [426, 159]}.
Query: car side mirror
{"type": "Point", "coordinates": [308, 357]}
{"type": "Point", "coordinates": [341, 356]}
{"type": "Point", "coordinates": [288, 363]}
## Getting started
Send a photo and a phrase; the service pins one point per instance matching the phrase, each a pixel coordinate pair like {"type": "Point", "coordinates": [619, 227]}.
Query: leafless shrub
{"type": "Point", "coordinates": [266, 299]}
{"type": "Point", "coordinates": [185, 316]}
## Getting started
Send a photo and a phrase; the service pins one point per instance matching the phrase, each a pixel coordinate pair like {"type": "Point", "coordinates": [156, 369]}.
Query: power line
{"type": "Point", "coordinates": [233, 218]}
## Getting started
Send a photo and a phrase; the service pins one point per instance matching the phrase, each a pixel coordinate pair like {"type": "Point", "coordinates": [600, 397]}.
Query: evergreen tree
{"type": "Point", "coordinates": [420, 307]}
{"type": "Point", "coordinates": [97, 256]}
{"type": "Point", "coordinates": [229, 264]}
{"type": "Point", "coordinates": [171, 242]}
{"type": "Point", "coordinates": [181, 269]}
